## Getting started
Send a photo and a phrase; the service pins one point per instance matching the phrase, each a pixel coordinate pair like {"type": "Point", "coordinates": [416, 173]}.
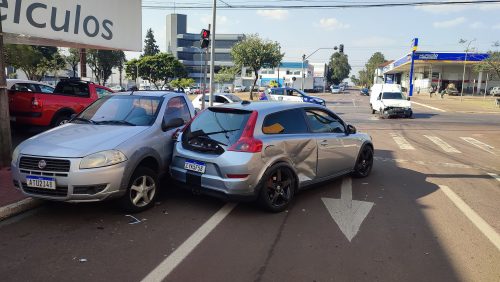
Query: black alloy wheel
{"type": "Point", "coordinates": [278, 188]}
{"type": "Point", "coordinates": [364, 163]}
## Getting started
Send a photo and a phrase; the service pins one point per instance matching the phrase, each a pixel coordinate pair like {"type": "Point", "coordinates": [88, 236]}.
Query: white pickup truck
{"type": "Point", "coordinates": [388, 100]}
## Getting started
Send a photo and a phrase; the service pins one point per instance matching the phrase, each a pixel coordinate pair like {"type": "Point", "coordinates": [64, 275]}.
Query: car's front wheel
{"type": "Point", "coordinates": [277, 188]}
{"type": "Point", "coordinates": [364, 163]}
{"type": "Point", "coordinates": [141, 191]}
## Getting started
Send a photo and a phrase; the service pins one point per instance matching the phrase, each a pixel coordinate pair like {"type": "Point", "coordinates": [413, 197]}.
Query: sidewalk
{"type": "Point", "coordinates": [470, 104]}
{"type": "Point", "coordinates": [12, 201]}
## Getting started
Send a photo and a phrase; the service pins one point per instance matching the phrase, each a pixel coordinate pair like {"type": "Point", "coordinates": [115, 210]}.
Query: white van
{"type": "Point", "coordinates": [389, 100]}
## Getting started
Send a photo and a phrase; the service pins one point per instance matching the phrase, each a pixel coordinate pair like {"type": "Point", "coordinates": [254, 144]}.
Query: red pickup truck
{"type": "Point", "coordinates": [31, 103]}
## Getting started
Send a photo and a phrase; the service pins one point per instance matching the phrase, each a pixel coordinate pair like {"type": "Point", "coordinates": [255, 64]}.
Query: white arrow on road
{"type": "Point", "coordinates": [347, 213]}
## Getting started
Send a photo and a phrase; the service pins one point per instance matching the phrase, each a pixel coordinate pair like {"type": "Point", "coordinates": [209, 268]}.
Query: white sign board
{"type": "Point", "coordinates": [99, 24]}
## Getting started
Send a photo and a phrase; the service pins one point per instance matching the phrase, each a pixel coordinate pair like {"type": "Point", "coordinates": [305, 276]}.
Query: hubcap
{"type": "Point", "coordinates": [365, 161]}
{"type": "Point", "coordinates": [279, 187]}
{"type": "Point", "coordinates": [142, 191]}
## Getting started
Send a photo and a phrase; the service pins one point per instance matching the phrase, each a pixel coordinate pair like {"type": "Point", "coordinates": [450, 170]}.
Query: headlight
{"type": "Point", "coordinates": [105, 158]}
{"type": "Point", "coordinates": [15, 155]}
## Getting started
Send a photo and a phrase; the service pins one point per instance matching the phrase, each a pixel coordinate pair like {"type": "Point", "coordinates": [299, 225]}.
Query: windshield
{"type": "Point", "coordinates": [222, 125]}
{"type": "Point", "coordinates": [122, 110]}
{"type": "Point", "coordinates": [393, 96]}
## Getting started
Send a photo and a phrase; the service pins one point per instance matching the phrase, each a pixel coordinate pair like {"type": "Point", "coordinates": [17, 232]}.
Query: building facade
{"type": "Point", "coordinates": [186, 47]}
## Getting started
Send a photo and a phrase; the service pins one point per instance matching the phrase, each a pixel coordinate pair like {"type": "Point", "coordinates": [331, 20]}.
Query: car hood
{"type": "Point", "coordinates": [396, 103]}
{"type": "Point", "coordinates": [78, 140]}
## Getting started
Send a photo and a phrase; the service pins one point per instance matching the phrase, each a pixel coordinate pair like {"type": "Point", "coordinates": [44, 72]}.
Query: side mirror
{"type": "Point", "coordinates": [351, 129]}
{"type": "Point", "coordinates": [173, 123]}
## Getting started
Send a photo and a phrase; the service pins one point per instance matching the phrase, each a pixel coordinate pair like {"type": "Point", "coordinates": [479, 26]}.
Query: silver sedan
{"type": "Point", "coordinates": [267, 151]}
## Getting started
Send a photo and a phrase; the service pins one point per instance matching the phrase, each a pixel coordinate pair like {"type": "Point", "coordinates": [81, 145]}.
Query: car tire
{"type": "Point", "coordinates": [373, 111]}
{"type": "Point", "coordinates": [277, 188]}
{"type": "Point", "coordinates": [60, 120]}
{"type": "Point", "coordinates": [364, 163]}
{"type": "Point", "coordinates": [141, 191]}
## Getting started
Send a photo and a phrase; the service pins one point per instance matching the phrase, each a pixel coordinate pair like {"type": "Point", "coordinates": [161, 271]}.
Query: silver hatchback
{"type": "Point", "coordinates": [267, 151]}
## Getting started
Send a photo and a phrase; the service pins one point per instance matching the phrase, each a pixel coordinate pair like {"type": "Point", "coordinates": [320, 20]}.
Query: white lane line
{"type": "Point", "coordinates": [479, 144]}
{"type": "Point", "coordinates": [430, 107]}
{"type": "Point", "coordinates": [175, 258]}
{"type": "Point", "coordinates": [401, 141]}
{"type": "Point", "coordinates": [445, 146]}
{"type": "Point", "coordinates": [494, 176]}
{"type": "Point", "coordinates": [480, 223]}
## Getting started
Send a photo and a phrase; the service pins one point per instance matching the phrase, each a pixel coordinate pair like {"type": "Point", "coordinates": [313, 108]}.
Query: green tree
{"type": "Point", "coordinates": [355, 80]}
{"type": "Point", "coordinates": [150, 47]}
{"type": "Point", "coordinates": [34, 61]}
{"type": "Point", "coordinates": [226, 75]}
{"type": "Point", "coordinates": [102, 62]}
{"type": "Point", "coordinates": [339, 68]}
{"type": "Point", "coordinates": [182, 82]}
{"type": "Point", "coordinates": [371, 66]}
{"type": "Point", "coordinates": [255, 53]}
{"type": "Point", "coordinates": [491, 65]}
{"type": "Point", "coordinates": [131, 69]}
{"type": "Point", "coordinates": [73, 59]}
{"type": "Point", "coordinates": [160, 68]}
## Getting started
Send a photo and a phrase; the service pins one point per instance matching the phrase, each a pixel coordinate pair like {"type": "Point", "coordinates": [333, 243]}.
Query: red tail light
{"type": "Point", "coordinates": [35, 103]}
{"type": "Point", "coordinates": [247, 143]}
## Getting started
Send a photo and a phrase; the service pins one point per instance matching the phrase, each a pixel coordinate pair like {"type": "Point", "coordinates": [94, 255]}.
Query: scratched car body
{"type": "Point", "coordinates": [267, 151]}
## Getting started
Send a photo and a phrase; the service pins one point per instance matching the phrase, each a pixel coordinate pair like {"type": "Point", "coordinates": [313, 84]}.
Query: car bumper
{"type": "Point", "coordinates": [403, 112]}
{"type": "Point", "coordinates": [30, 118]}
{"type": "Point", "coordinates": [215, 181]}
{"type": "Point", "coordinates": [77, 185]}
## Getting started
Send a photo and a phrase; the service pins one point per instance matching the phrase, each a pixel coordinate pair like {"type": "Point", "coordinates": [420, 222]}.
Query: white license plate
{"type": "Point", "coordinates": [41, 182]}
{"type": "Point", "coordinates": [195, 166]}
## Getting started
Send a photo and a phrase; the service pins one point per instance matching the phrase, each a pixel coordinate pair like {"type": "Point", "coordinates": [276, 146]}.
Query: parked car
{"type": "Point", "coordinates": [391, 102]}
{"type": "Point", "coordinates": [118, 147]}
{"type": "Point", "coordinates": [291, 95]}
{"type": "Point", "coordinates": [335, 89]}
{"type": "Point", "coordinates": [22, 85]}
{"type": "Point", "coordinates": [267, 151]}
{"type": "Point", "coordinates": [240, 88]}
{"type": "Point", "coordinates": [495, 91]}
{"type": "Point", "coordinates": [198, 91]}
{"type": "Point", "coordinates": [451, 90]}
{"type": "Point", "coordinates": [33, 104]}
{"type": "Point", "coordinates": [219, 99]}
{"type": "Point", "coordinates": [365, 91]}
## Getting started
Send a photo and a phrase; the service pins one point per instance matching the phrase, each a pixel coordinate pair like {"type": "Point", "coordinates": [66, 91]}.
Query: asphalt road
{"type": "Point", "coordinates": [432, 214]}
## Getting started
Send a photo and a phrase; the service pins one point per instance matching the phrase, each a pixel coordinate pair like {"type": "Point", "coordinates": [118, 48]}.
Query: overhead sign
{"type": "Point", "coordinates": [109, 24]}
{"type": "Point", "coordinates": [443, 56]}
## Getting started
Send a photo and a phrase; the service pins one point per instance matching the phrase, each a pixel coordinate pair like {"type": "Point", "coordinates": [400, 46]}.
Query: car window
{"type": "Point", "coordinates": [323, 122]}
{"type": "Point", "coordinates": [296, 93]}
{"type": "Point", "coordinates": [285, 122]}
{"type": "Point", "coordinates": [25, 87]}
{"type": "Point", "coordinates": [101, 92]}
{"type": "Point", "coordinates": [277, 91]}
{"type": "Point", "coordinates": [46, 89]}
{"type": "Point", "coordinates": [393, 95]}
{"type": "Point", "coordinates": [220, 99]}
{"type": "Point", "coordinates": [177, 108]}
{"type": "Point", "coordinates": [73, 88]}
{"type": "Point", "coordinates": [233, 98]}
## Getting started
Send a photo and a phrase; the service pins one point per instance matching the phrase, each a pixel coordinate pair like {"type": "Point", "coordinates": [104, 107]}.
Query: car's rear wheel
{"type": "Point", "coordinates": [364, 163]}
{"type": "Point", "coordinates": [61, 119]}
{"type": "Point", "coordinates": [277, 188]}
{"type": "Point", "coordinates": [141, 191]}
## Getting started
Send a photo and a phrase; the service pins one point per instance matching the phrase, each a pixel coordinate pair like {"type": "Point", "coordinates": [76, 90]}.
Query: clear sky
{"type": "Point", "coordinates": [362, 31]}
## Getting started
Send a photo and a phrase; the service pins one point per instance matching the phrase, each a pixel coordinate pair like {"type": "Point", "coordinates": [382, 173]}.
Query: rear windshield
{"type": "Point", "coordinates": [75, 88]}
{"type": "Point", "coordinates": [222, 125]}
{"type": "Point", "coordinates": [233, 97]}
{"type": "Point", "coordinates": [393, 95]}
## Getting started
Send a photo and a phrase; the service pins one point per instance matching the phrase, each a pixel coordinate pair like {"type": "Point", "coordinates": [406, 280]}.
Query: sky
{"type": "Point", "coordinates": [362, 31]}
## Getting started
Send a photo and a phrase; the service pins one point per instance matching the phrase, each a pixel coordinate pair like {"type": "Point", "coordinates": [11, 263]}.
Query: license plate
{"type": "Point", "coordinates": [196, 166]}
{"type": "Point", "coordinates": [41, 182]}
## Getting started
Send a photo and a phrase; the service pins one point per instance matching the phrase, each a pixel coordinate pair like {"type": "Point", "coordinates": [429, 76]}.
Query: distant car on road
{"type": "Point", "coordinates": [365, 91]}
{"type": "Point", "coordinates": [116, 148]}
{"type": "Point", "coordinates": [495, 91]}
{"type": "Point", "coordinates": [267, 151]}
{"type": "Point", "coordinates": [240, 88]}
{"type": "Point", "coordinates": [291, 95]}
{"type": "Point", "coordinates": [335, 89]}
{"type": "Point", "coordinates": [219, 99]}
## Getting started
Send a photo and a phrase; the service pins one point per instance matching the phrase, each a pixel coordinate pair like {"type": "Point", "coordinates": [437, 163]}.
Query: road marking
{"type": "Point", "coordinates": [494, 176]}
{"type": "Point", "coordinates": [479, 144]}
{"type": "Point", "coordinates": [349, 214]}
{"type": "Point", "coordinates": [401, 141]}
{"type": "Point", "coordinates": [480, 223]}
{"type": "Point", "coordinates": [430, 107]}
{"type": "Point", "coordinates": [175, 258]}
{"type": "Point", "coordinates": [445, 146]}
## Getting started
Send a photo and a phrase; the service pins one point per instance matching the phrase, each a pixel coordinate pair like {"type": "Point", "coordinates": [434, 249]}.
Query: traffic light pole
{"type": "Point", "coordinates": [204, 70]}
{"type": "Point", "coordinates": [212, 53]}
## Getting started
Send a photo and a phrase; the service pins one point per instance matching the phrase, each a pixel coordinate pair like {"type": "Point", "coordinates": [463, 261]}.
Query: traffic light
{"type": "Point", "coordinates": [341, 48]}
{"type": "Point", "coordinates": [205, 38]}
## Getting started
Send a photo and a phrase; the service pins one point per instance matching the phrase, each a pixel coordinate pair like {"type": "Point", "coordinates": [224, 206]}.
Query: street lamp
{"type": "Point", "coordinates": [463, 41]}
{"type": "Point", "coordinates": [304, 58]}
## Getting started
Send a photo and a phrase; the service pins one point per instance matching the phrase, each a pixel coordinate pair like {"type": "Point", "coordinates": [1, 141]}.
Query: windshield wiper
{"type": "Point", "coordinates": [117, 122]}
{"type": "Point", "coordinates": [200, 133]}
{"type": "Point", "coordinates": [84, 120]}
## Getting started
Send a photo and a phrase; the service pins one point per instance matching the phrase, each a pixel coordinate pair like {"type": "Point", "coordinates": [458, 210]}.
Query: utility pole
{"type": "Point", "coordinates": [5, 135]}
{"type": "Point", "coordinates": [204, 70]}
{"type": "Point", "coordinates": [465, 63]}
{"type": "Point", "coordinates": [83, 63]}
{"type": "Point", "coordinates": [212, 52]}
{"type": "Point", "coordinates": [303, 74]}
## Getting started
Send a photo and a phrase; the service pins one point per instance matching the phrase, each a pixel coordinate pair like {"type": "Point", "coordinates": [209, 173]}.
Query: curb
{"type": "Point", "coordinates": [18, 207]}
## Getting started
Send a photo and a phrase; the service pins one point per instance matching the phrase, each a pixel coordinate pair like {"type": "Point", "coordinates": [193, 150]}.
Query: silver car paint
{"type": "Point", "coordinates": [299, 151]}
{"type": "Point", "coordinates": [136, 142]}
